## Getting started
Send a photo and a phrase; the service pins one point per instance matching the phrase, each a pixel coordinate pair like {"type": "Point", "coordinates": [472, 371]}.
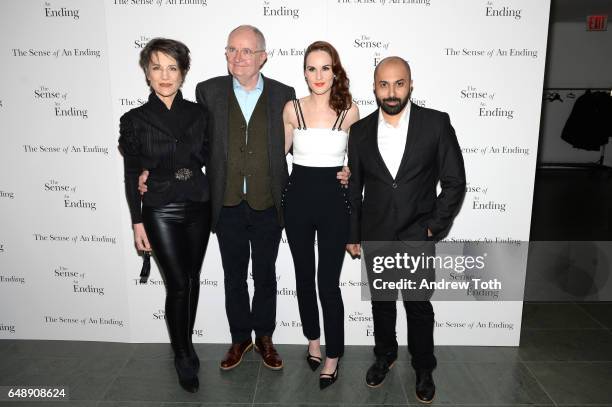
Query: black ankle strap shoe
{"type": "Point", "coordinates": [326, 380]}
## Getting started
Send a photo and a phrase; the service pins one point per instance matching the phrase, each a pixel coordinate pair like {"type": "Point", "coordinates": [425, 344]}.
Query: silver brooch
{"type": "Point", "coordinates": [183, 174]}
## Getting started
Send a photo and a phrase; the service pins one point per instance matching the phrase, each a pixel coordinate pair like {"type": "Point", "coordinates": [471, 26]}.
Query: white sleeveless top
{"type": "Point", "coordinates": [319, 147]}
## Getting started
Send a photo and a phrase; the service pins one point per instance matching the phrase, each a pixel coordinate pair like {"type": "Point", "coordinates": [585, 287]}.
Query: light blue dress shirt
{"type": "Point", "coordinates": [247, 99]}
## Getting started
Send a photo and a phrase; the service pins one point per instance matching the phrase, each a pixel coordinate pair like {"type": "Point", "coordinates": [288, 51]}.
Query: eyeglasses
{"type": "Point", "coordinates": [246, 52]}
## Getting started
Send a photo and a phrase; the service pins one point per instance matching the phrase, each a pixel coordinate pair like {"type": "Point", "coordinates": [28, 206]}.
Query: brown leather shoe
{"type": "Point", "coordinates": [234, 355]}
{"type": "Point", "coordinates": [271, 358]}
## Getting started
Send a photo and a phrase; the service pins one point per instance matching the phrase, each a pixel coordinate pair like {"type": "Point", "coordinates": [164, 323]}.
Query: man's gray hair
{"type": "Point", "coordinates": [261, 40]}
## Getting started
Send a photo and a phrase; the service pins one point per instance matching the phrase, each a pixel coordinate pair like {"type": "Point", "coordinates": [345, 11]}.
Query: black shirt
{"type": "Point", "coordinates": [172, 145]}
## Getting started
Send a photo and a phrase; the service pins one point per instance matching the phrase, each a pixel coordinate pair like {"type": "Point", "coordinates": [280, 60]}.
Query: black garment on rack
{"type": "Point", "coordinates": [588, 126]}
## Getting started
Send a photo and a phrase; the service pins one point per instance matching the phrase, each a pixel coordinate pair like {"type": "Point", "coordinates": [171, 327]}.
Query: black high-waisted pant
{"type": "Point", "coordinates": [315, 201]}
{"type": "Point", "coordinates": [178, 233]}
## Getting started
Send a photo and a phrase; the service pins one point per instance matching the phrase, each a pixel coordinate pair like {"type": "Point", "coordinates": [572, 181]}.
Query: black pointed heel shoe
{"type": "Point", "coordinates": [313, 361]}
{"type": "Point", "coordinates": [326, 380]}
{"type": "Point", "coordinates": [187, 374]}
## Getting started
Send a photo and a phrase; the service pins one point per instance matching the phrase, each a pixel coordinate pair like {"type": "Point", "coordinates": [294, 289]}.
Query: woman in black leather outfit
{"type": "Point", "coordinates": [167, 136]}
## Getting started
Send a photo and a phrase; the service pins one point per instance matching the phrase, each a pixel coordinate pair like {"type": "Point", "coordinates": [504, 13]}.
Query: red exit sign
{"type": "Point", "coordinates": [597, 23]}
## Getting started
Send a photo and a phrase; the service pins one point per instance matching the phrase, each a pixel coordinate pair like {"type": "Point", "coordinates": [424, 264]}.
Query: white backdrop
{"type": "Point", "coordinates": [68, 269]}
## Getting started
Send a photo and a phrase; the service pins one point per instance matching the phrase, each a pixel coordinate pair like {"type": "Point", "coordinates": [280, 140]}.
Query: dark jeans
{"type": "Point", "coordinates": [245, 233]}
{"type": "Point", "coordinates": [315, 202]}
{"type": "Point", "coordinates": [178, 233]}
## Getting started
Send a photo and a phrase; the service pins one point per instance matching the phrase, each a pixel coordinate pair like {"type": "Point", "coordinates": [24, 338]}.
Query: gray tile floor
{"type": "Point", "coordinates": [565, 359]}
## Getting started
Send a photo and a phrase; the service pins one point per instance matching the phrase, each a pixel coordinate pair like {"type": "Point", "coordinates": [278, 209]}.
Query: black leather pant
{"type": "Point", "coordinates": [178, 233]}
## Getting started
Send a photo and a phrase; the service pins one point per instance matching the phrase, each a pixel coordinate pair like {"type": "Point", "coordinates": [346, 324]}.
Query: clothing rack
{"type": "Point", "coordinates": [556, 96]}
{"type": "Point", "coordinates": [603, 147]}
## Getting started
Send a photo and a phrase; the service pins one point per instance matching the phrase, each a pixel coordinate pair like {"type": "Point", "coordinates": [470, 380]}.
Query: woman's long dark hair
{"type": "Point", "coordinates": [340, 97]}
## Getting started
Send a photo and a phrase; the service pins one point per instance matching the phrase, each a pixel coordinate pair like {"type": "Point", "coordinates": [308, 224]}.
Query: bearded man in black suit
{"type": "Point", "coordinates": [398, 154]}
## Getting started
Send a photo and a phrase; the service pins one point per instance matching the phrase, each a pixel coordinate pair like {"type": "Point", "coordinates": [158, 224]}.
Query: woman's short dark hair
{"type": "Point", "coordinates": [172, 48]}
{"type": "Point", "coordinates": [340, 98]}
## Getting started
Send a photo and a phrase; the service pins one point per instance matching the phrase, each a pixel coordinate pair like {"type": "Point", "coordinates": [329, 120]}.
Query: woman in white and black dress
{"type": "Point", "coordinates": [316, 128]}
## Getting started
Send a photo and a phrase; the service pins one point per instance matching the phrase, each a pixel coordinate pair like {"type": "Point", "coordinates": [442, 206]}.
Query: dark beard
{"type": "Point", "coordinates": [392, 110]}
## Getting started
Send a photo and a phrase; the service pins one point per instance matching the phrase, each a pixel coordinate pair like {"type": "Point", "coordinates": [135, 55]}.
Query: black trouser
{"type": "Point", "coordinates": [420, 318]}
{"type": "Point", "coordinates": [316, 202]}
{"type": "Point", "coordinates": [244, 232]}
{"type": "Point", "coordinates": [419, 311]}
{"type": "Point", "coordinates": [178, 234]}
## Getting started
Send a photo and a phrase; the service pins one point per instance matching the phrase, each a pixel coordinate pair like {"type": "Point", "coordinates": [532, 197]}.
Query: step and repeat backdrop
{"type": "Point", "coordinates": [68, 267]}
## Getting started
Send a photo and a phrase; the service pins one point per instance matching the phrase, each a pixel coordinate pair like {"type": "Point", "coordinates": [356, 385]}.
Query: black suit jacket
{"type": "Point", "coordinates": [213, 95]}
{"type": "Point", "coordinates": [403, 208]}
